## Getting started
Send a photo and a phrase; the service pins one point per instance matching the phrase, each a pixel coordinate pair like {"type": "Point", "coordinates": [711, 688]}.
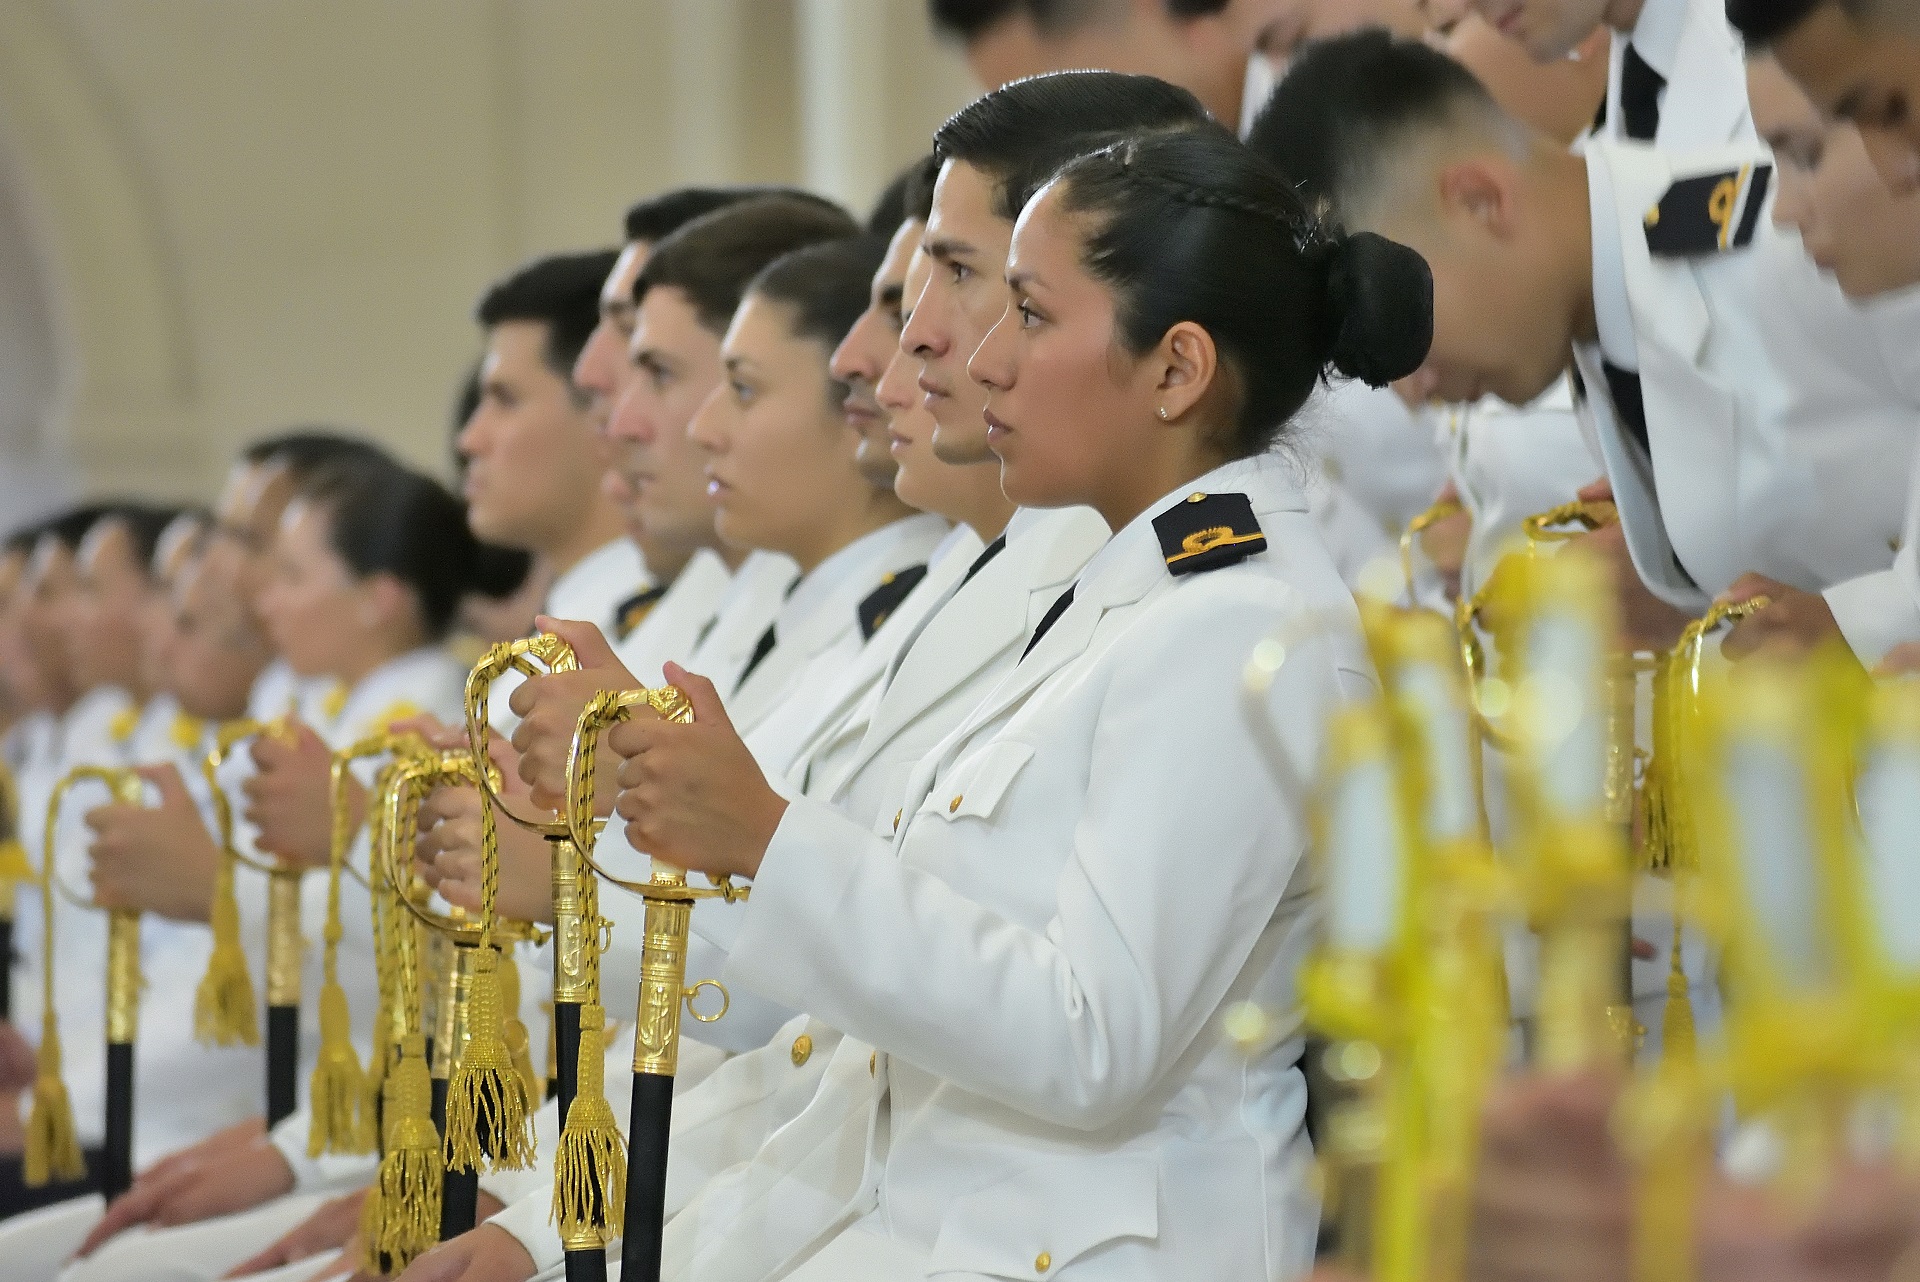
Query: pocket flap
{"type": "Point", "coordinates": [974, 787]}
{"type": "Point", "coordinates": [1033, 1224]}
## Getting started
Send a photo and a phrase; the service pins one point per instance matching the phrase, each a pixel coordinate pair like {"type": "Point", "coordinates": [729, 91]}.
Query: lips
{"type": "Point", "coordinates": [996, 429]}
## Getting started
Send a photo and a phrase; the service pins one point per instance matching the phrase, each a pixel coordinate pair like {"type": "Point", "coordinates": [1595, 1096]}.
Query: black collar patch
{"type": "Point", "coordinates": [881, 602]}
{"type": "Point", "coordinates": [1708, 214]}
{"type": "Point", "coordinates": [633, 611]}
{"type": "Point", "coordinates": [1207, 531]}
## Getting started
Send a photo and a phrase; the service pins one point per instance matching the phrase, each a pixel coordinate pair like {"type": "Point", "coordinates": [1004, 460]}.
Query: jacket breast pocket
{"type": "Point", "coordinates": [975, 787]}
{"type": "Point", "coordinates": [1036, 1223]}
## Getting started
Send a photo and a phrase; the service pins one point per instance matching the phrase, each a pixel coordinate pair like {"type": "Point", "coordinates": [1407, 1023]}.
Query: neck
{"type": "Point", "coordinates": [986, 512]}
{"type": "Point", "coordinates": [601, 527]}
{"type": "Point", "coordinates": [1565, 180]}
{"type": "Point", "coordinates": [1143, 485]}
{"type": "Point", "coordinates": [664, 561]}
{"type": "Point", "coordinates": [1621, 15]}
{"type": "Point", "coordinates": [882, 510]}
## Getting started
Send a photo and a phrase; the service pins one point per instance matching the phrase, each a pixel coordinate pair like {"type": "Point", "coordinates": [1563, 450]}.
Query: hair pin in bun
{"type": "Point", "coordinates": [1380, 294]}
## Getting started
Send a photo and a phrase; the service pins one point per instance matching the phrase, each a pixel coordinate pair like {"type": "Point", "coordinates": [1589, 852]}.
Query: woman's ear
{"type": "Point", "coordinates": [1187, 363]}
{"type": "Point", "coordinates": [384, 601]}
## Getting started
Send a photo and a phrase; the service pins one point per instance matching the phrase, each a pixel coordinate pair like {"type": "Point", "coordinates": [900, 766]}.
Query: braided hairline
{"type": "Point", "coordinates": [1311, 236]}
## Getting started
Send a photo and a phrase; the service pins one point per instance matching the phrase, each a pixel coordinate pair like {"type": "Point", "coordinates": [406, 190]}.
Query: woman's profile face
{"type": "Point", "coordinates": [780, 455]}
{"type": "Point", "coordinates": [312, 605]}
{"type": "Point", "coordinates": [1064, 396]}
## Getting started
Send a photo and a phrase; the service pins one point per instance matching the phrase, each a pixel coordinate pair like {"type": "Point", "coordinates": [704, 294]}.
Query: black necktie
{"type": "Point", "coordinates": [992, 550]}
{"type": "Point", "coordinates": [1640, 87]}
{"type": "Point", "coordinates": [761, 650]}
{"type": "Point", "coordinates": [1629, 406]}
{"type": "Point", "coordinates": [1051, 617]}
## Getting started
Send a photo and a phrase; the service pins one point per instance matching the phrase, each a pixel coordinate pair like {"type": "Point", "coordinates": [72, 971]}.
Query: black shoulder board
{"type": "Point", "coordinates": [881, 601]}
{"type": "Point", "coordinates": [1708, 214]}
{"type": "Point", "coordinates": [634, 610]}
{"type": "Point", "coordinates": [1207, 531]}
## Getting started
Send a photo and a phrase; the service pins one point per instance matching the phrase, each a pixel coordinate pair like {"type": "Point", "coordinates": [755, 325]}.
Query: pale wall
{"type": "Point", "coordinates": [250, 213]}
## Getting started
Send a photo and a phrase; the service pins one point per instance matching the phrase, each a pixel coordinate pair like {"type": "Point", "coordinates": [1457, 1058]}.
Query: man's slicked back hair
{"type": "Point", "coordinates": [1023, 132]}
{"type": "Point", "coordinates": [1348, 107]}
{"type": "Point", "coordinates": [712, 259]}
{"type": "Point", "coordinates": [305, 450]}
{"type": "Point", "coordinates": [658, 217]}
{"type": "Point", "coordinates": [968, 20]}
{"type": "Point", "coordinates": [562, 292]}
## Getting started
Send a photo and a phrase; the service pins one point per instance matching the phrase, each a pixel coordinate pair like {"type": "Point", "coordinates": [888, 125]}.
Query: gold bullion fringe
{"type": "Point", "coordinates": [592, 1157]}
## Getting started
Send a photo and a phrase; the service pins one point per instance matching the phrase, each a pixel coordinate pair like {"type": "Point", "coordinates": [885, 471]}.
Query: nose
{"type": "Point", "coordinates": [991, 365]}
{"type": "Point", "coordinates": [897, 391]}
{"type": "Point", "coordinates": [853, 360]}
{"type": "Point", "coordinates": [923, 336]}
{"type": "Point", "coordinates": [629, 420]}
{"type": "Point", "coordinates": [1792, 206]}
{"type": "Point", "coordinates": [707, 429]}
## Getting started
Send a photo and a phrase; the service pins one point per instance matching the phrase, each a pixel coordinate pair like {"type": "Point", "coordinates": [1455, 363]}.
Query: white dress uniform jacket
{"type": "Point", "coordinates": [674, 623]}
{"type": "Point", "coordinates": [939, 654]}
{"type": "Point", "coordinates": [1761, 456]}
{"type": "Point", "coordinates": [1030, 972]}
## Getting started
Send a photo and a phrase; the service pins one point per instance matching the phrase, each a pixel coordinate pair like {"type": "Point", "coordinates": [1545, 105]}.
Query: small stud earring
{"type": "Point", "coordinates": [1163, 414]}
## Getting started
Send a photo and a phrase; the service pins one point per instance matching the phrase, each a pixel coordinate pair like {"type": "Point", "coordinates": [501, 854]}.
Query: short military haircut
{"type": "Point", "coordinates": [562, 293]}
{"type": "Point", "coordinates": [909, 197]}
{"type": "Point", "coordinates": [305, 450]}
{"type": "Point", "coordinates": [1350, 110]}
{"type": "Point", "coordinates": [1021, 133]}
{"type": "Point", "coordinates": [658, 217]}
{"type": "Point", "coordinates": [713, 259]}
{"type": "Point", "coordinates": [71, 526]}
{"type": "Point", "coordinates": [144, 523]}
{"type": "Point", "coordinates": [1762, 22]}
{"type": "Point", "coordinates": [968, 20]}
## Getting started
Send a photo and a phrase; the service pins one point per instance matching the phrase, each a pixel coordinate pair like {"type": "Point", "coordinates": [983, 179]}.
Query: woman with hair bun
{"type": "Point", "coordinates": [1031, 963]}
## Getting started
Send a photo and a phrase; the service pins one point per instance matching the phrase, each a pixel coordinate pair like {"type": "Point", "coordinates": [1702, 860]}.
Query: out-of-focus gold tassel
{"type": "Point", "coordinates": [487, 1104]}
{"type": "Point", "coordinates": [225, 1012]}
{"type": "Point", "coordinates": [519, 1041]}
{"type": "Point", "coordinates": [337, 1094]}
{"type": "Point", "coordinates": [14, 865]}
{"type": "Point", "coordinates": [1677, 1037]}
{"type": "Point", "coordinates": [53, 1148]}
{"type": "Point", "coordinates": [590, 1169]}
{"type": "Point", "coordinates": [400, 1218]}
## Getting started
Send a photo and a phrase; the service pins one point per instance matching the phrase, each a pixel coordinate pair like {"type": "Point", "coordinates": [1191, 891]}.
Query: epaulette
{"type": "Point", "coordinates": [1208, 531]}
{"type": "Point", "coordinates": [124, 723]}
{"type": "Point", "coordinates": [187, 731]}
{"type": "Point", "coordinates": [882, 601]}
{"type": "Point", "coordinates": [633, 611]}
{"type": "Point", "coordinates": [334, 701]}
{"type": "Point", "coordinates": [1708, 214]}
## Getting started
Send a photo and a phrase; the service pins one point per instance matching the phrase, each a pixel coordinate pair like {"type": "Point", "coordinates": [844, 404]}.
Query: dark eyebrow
{"type": "Point", "coordinates": [1020, 280]}
{"type": "Point", "coordinates": [890, 295]}
{"type": "Point", "coordinates": [944, 248]}
{"type": "Point", "coordinates": [1850, 104]}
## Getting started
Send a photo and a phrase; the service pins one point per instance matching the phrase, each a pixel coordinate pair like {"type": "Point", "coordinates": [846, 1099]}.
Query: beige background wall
{"type": "Point", "coordinates": [218, 217]}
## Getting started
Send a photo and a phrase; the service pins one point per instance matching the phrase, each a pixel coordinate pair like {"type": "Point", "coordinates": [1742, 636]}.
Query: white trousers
{"type": "Point", "coordinates": [196, 1252]}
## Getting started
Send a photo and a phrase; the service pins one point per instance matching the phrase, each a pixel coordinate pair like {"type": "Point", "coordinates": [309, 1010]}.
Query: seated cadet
{"type": "Point", "coordinates": [367, 572]}
{"type": "Point", "coordinates": [1868, 239]}
{"type": "Point", "coordinates": [858, 762]}
{"type": "Point", "coordinates": [1030, 962]}
{"type": "Point", "coordinates": [1858, 60]}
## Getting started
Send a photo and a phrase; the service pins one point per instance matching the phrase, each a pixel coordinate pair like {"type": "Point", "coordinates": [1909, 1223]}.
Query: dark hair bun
{"type": "Point", "coordinates": [1380, 295]}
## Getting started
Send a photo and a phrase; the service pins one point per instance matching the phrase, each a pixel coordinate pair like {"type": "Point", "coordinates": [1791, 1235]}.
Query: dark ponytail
{"type": "Point", "coordinates": [385, 518]}
{"type": "Point", "coordinates": [1190, 225]}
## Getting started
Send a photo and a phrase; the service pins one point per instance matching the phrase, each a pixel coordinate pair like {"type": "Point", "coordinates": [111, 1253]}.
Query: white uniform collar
{"type": "Point", "coordinates": [862, 561]}
{"type": "Point", "coordinates": [427, 680]}
{"type": "Point", "coordinates": [276, 692]}
{"type": "Point", "coordinates": [1657, 31]}
{"type": "Point", "coordinates": [595, 585]}
{"type": "Point", "coordinates": [1612, 312]}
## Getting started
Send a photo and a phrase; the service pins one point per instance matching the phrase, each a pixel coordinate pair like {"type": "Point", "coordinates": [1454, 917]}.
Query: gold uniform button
{"type": "Point", "coordinates": [802, 1049]}
{"type": "Point", "coordinates": [873, 1064]}
{"type": "Point", "coordinates": [896, 819]}
{"type": "Point", "coordinates": [1042, 1262]}
{"type": "Point", "coordinates": [954, 805]}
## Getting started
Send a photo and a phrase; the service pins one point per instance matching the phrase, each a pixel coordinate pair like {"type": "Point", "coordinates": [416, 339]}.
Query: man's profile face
{"type": "Point", "coordinates": [869, 348]}
{"type": "Point", "coordinates": [1867, 75]}
{"type": "Point", "coordinates": [964, 296]}
{"type": "Point", "coordinates": [675, 361]}
{"type": "Point", "coordinates": [601, 370]}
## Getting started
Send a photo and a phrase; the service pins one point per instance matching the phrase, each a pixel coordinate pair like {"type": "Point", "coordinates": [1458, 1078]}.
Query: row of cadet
{"type": "Point", "coordinates": [953, 536]}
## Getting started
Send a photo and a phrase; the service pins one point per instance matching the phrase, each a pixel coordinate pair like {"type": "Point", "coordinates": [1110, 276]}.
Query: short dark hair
{"type": "Point", "coordinates": [302, 450]}
{"type": "Point", "coordinates": [1347, 106]}
{"type": "Point", "coordinates": [713, 258]}
{"type": "Point", "coordinates": [1022, 132]}
{"type": "Point", "coordinates": [71, 526]}
{"type": "Point", "coordinates": [386, 518]}
{"type": "Point", "coordinates": [968, 20]}
{"type": "Point", "coordinates": [1192, 226]}
{"type": "Point", "coordinates": [658, 217]}
{"type": "Point", "coordinates": [562, 292]}
{"type": "Point", "coordinates": [826, 285]}
{"type": "Point", "coordinates": [908, 198]}
{"type": "Point", "coordinates": [144, 524]}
